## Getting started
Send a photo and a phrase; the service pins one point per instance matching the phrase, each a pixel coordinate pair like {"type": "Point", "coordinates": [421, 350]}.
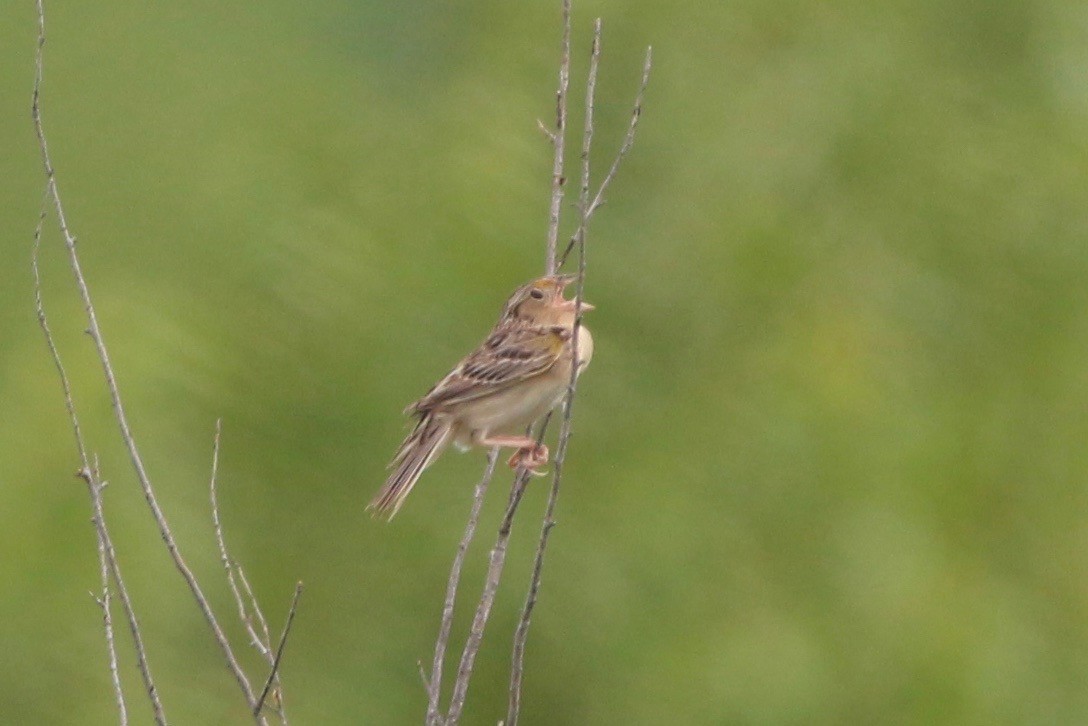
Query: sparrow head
{"type": "Point", "coordinates": [541, 301]}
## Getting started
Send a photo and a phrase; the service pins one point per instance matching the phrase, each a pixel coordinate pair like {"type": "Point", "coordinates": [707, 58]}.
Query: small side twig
{"type": "Point", "coordinates": [224, 557]}
{"type": "Point", "coordinates": [434, 684]}
{"type": "Point", "coordinates": [261, 641]}
{"type": "Point", "coordinates": [253, 603]}
{"type": "Point", "coordinates": [548, 133]}
{"type": "Point", "coordinates": [127, 437]}
{"type": "Point", "coordinates": [96, 486]}
{"type": "Point", "coordinates": [279, 650]}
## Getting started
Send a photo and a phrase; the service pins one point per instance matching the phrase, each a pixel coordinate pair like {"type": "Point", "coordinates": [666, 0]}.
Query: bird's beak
{"type": "Point", "coordinates": [564, 280]}
{"type": "Point", "coordinates": [569, 305]}
{"type": "Point", "coordinates": [572, 305]}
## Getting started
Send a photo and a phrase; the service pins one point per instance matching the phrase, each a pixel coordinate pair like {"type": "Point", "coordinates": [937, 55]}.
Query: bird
{"type": "Point", "coordinates": [516, 375]}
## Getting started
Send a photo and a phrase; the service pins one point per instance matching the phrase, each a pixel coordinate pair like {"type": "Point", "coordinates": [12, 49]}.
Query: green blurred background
{"type": "Point", "coordinates": [829, 465]}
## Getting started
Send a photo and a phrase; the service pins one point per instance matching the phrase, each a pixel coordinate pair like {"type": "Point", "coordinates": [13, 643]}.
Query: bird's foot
{"type": "Point", "coordinates": [530, 458]}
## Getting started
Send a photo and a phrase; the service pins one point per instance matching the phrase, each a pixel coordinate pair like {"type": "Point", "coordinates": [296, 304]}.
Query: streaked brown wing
{"type": "Point", "coordinates": [509, 355]}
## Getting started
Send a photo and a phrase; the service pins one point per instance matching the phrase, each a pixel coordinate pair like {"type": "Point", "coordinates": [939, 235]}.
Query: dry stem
{"type": "Point", "coordinates": [491, 588]}
{"type": "Point", "coordinates": [89, 474]}
{"type": "Point", "coordinates": [434, 684]}
{"type": "Point", "coordinates": [558, 144]}
{"type": "Point", "coordinates": [272, 674]}
{"type": "Point", "coordinates": [262, 644]}
{"type": "Point", "coordinates": [53, 193]}
{"type": "Point", "coordinates": [628, 142]}
{"type": "Point", "coordinates": [104, 600]}
{"type": "Point", "coordinates": [521, 634]}
{"type": "Point", "coordinates": [587, 206]}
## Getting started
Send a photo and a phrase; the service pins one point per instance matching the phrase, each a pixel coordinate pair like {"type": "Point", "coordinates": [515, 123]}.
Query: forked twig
{"type": "Point", "coordinates": [434, 683]}
{"type": "Point", "coordinates": [628, 142]}
{"type": "Point", "coordinates": [261, 641]}
{"type": "Point", "coordinates": [491, 587]}
{"type": "Point", "coordinates": [253, 603]}
{"type": "Point", "coordinates": [96, 485]}
{"type": "Point", "coordinates": [279, 651]}
{"type": "Point", "coordinates": [587, 206]}
{"type": "Point", "coordinates": [53, 193]}
{"type": "Point", "coordinates": [87, 472]}
{"type": "Point", "coordinates": [521, 634]}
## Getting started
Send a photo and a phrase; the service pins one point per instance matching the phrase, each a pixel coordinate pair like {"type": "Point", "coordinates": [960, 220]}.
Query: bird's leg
{"type": "Point", "coordinates": [529, 454]}
{"type": "Point", "coordinates": [510, 442]}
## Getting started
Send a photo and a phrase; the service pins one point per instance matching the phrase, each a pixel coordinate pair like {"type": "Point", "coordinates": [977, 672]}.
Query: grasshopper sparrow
{"type": "Point", "coordinates": [514, 377]}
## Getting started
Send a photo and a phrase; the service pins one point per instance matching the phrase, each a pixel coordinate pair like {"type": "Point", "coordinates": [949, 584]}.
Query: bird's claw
{"type": "Point", "coordinates": [530, 458]}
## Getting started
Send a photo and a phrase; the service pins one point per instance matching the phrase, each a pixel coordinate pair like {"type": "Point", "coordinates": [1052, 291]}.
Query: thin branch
{"type": "Point", "coordinates": [557, 140]}
{"type": "Point", "coordinates": [628, 142]}
{"type": "Point", "coordinates": [262, 644]}
{"type": "Point", "coordinates": [224, 556]}
{"type": "Point", "coordinates": [104, 603]}
{"type": "Point", "coordinates": [587, 134]}
{"type": "Point", "coordinates": [115, 394]}
{"type": "Point", "coordinates": [254, 604]}
{"type": "Point", "coordinates": [434, 684]}
{"type": "Point", "coordinates": [587, 206]}
{"type": "Point", "coordinates": [629, 137]}
{"type": "Point", "coordinates": [423, 676]}
{"type": "Point", "coordinates": [106, 545]}
{"type": "Point", "coordinates": [87, 473]}
{"type": "Point", "coordinates": [548, 133]}
{"type": "Point", "coordinates": [498, 553]}
{"type": "Point", "coordinates": [279, 650]}
{"type": "Point", "coordinates": [521, 634]}
{"type": "Point", "coordinates": [487, 599]}
{"type": "Point", "coordinates": [491, 587]}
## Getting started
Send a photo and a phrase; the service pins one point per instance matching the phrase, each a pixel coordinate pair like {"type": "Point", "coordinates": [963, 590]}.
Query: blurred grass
{"type": "Point", "coordinates": [829, 462]}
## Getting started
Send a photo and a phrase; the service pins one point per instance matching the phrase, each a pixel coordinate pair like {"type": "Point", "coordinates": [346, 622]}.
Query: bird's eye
{"type": "Point", "coordinates": [536, 294]}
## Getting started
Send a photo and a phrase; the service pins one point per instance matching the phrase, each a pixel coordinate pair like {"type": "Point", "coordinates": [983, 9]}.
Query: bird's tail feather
{"type": "Point", "coordinates": [423, 445]}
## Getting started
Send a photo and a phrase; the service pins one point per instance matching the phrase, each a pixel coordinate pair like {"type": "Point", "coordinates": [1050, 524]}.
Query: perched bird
{"type": "Point", "coordinates": [514, 377]}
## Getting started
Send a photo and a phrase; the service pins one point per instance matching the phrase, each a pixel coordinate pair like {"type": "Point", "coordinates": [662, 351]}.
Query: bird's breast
{"type": "Point", "coordinates": [585, 348]}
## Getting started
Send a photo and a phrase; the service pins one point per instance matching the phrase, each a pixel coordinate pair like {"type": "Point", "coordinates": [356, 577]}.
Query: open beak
{"type": "Point", "coordinates": [569, 305]}
{"type": "Point", "coordinates": [572, 305]}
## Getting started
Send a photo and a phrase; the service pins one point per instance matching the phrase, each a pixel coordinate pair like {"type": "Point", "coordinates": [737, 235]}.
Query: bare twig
{"type": "Point", "coordinates": [587, 134]}
{"type": "Point", "coordinates": [548, 133]}
{"type": "Point", "coordinates": [279, 650]}
{"type": "Point", "coordinates": [521, 634]}
{"type": "Point", "coordinates": [115, 395]}
{"type": "Point", "coordinates": [491, 587]}
{"type": "Point", "coordinates": [434, 684]}
{"type": "Point", "coordinates": [87, 472]}
{"type": "Point", "coordinates": [487, 599]}
{"type": "Point", "coordinates": [629, 137]}
{"type": "Point", "coordinates": [423, 676]}
{"type": "Point", "coordinates": [628, 142]}
{"type": "Point", "coordinates": [230, 566]}
{"type": "Point", "coordinates": [103, 602]}
{"type": "Point", "coordinates": [587, 206]}
{"type": "Point", "coordinates": [105, 544]}
{"type": "Point", "coordinates": [105, 599]}
{"type": "Point", "coordinates": [224, 556]}
{"type": "Point", "coordinates": [255, 605]}
{"type": "Point", "coordinates": [557, 140]}
{"type": "Point", "coordinates": [498, 553]}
